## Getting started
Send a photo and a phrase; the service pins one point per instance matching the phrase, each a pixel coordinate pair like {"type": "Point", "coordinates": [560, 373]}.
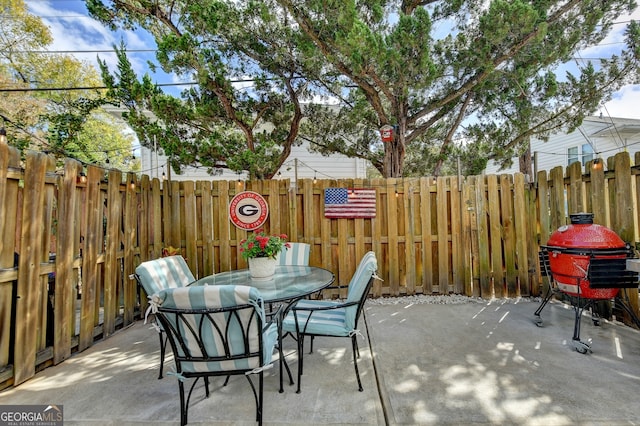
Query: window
{"type": "Point", "coordinates": [573, 155]}
{"type": "Point", "coordinates": [587, 153]}
{"type": "Point", "coordinates": [584, 154]}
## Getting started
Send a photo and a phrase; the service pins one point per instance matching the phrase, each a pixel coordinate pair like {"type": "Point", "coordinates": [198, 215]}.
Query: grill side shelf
{"type": "Point", "coordinates": [543, 257]}
{"type": "Point", "coordinates": [611, 273]}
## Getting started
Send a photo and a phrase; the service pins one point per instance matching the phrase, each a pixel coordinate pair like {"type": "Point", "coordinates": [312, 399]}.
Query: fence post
{"type": "Point", "coordinates": [9, 157]}
{"type": "Point", "coordinates": [30, 291]}
{"type": "Point", "coordinates": [67, 248]}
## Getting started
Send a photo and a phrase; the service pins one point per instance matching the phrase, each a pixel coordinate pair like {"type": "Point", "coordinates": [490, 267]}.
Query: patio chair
{"type": "Point", "coordinates": [333, 318]}
{"type": "Point", "coordinates": [161, 274]}
{"type": "Point", "coordinates": [217, 331]}
{"type": "Point", "coordinates": [295, 254]}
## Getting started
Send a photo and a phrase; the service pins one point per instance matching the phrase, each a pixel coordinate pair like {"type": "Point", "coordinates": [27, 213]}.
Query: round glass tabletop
{"type": "Point", "coordinates": [288, 282]}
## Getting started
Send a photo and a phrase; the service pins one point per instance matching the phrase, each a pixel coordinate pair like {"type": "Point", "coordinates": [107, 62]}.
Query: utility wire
{"type": "Point", "coordinates": [57, 89]}
{"type": "Point", "coordinates": [42, 52]}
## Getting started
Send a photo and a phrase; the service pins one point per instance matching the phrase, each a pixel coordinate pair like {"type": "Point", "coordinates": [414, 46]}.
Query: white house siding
{"type": "Point", "coordinates": [606, 135]}
{"type": "Point", "coordinates": [300, 161]}
{"type": "Point", "coordinates": [314, 165]}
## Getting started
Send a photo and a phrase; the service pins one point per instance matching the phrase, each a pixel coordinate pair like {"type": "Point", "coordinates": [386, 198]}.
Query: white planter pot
{"type": "Point", "coordinates": [262, 268]}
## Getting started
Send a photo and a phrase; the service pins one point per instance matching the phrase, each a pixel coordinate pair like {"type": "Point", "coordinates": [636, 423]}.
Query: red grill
{"type": "Point", "coordinates": [588, 263]}
{"type": "Point", "coordinates": [571, 249]}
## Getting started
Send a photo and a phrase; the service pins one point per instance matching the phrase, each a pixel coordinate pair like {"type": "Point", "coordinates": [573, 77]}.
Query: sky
{"type": "Point", "coordinates": [74, 31]}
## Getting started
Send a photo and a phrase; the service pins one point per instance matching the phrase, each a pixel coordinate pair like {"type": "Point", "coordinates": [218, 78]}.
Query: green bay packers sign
{"type": "Point", "coordinates": [248, 210]}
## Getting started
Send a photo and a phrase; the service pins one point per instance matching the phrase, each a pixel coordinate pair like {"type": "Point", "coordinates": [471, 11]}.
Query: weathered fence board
{"type": "Point", "coordinates": [484, 258]}
{"type": "Point", "coordinates": [425, 230]}
{"type": "Point", "coordinates": [67, 249]}
{"type": "Point", "coordinates": [9, 159]}
{"type": "Point", "coordinates": [129, 245]}
{"type": "Point", "coordinates": [598, 204]}
{"type": "Point", "coordinates": [442, 226]}
{"type": "Point", "coordinates": [93, 237]}
{"type": "Point", "coordinates": [111, 266]}
{"type": "Point", "coordinates": [467, 233]}
{"type": "Point", "coordinates": [30, 285]}
{"type": "Point", "coordinates": [457, 254]}
{"type": "Point", "coordinates": [410, 243]}
{"type": "Point", "coordinates": [521, 218]}
{"type": "Point", "coordinates": [496, 236]}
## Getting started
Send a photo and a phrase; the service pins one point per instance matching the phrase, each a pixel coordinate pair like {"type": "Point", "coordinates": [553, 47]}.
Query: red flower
{"type": "Point", "coordinates": [257, 244]}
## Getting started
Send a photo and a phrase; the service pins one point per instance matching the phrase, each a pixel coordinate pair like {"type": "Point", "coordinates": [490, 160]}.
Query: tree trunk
{"type": "Point", "coordinates": [525, 163]}
{"type": "Point", "coordinates": [394, 153]}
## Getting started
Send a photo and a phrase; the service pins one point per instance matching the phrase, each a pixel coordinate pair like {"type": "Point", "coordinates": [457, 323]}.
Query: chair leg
{"type": "Point", "coordinates": [257, 395]}
{"type": "Point", "coordinates": [354, 345]}
{"type": "Point", "coordinates": [283, 362]}
{"type": "Point", "coordinates": [183, 407]}
{"type": "Point", "coordinates": [300, 359]}
{"type": "Point", "coordinates": [260, 398]}
{"type": "Point", "coordinates": [163, 347]}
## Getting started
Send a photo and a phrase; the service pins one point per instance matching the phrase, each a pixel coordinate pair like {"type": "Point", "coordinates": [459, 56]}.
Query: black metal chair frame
{"type": "Point", "coordinates": [218, 318]}
{"type": "Point", "coordinates": [301, 331]}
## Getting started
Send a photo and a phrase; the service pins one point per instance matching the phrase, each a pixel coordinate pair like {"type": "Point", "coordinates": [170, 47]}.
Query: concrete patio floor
{"type": "Point", "coordinates": [422, 363]}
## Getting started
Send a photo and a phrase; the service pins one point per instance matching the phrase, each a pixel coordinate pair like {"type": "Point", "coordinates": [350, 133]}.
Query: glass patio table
{"type": "Point", "coordinates": [288, 285]}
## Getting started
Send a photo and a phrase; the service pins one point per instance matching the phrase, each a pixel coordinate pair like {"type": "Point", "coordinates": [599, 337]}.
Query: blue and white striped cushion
{"type": "Point", "coordinates": [295, 254]}
{"type": "Point", "coordinates": [334, 322]}
{"type": "Point", "coordinates": [330, 322]}
{"type": "Point", "coordinates": [207, 297]}
{"type": "Point", "coordinates": [358, 284]}
{"type": "Point", "coordinates": [163, 273]}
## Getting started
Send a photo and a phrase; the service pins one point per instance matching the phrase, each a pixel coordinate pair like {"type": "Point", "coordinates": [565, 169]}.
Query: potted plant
{"type": "Point", "coordinates": [260, 251]}
{"type": "Point", "coordinates": [170, 251]}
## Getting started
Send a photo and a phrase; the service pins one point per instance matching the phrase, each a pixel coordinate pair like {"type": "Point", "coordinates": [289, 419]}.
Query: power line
{"type": "Point", "coordinates": [56, 89]}
{"type": "Point", "coordinates": [186, 83]}
{"type": "Point", "coordinates": [44, 52]}
{"type": "Point", "coordinates": [565, 154]}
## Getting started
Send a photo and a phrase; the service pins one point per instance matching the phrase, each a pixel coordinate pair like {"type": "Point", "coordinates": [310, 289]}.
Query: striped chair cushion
{"type": "Point", "coordinates": [367, 267]}
{"type": "Point", "coordinates": [330, 322]}
{"type": "Point", "coordinates": [339, 321]}
{"type": "Point", "coordinates": [231, 328]}
{"type": "Point", "coordinates": [164, 273]}
{"type": "Point", "coordinates": [295, 254]}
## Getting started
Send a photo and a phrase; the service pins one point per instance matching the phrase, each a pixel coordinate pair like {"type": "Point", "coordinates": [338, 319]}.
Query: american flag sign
{"type": "Point", "coordinates": [343, 203]}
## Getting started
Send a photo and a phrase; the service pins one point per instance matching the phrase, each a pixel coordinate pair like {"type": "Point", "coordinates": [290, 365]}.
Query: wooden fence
{"type": "Point", "coordinates": [71, 237]}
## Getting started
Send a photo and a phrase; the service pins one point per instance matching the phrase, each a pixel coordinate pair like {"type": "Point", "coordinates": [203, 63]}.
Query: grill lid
{"type": "Point", "coordinates": [583, 233]}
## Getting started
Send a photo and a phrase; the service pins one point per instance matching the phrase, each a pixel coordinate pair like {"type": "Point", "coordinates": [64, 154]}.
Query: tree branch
{"type": "Point", "coordinates": [479, 77]}
{"type": "Point", "coordinates": [369, 90]}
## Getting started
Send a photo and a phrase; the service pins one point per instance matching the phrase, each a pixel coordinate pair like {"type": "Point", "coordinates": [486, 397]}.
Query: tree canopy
{"type": "Point", "coordinates": [474, 78]}
{"type": "Point", "coordinates": [61, 122]}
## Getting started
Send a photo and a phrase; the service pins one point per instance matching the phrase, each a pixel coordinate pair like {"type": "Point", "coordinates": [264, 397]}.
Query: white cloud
{"type": "Point", "coordinates": [624, 103]}
{"type": "Point", "coordinates": [73, 30]}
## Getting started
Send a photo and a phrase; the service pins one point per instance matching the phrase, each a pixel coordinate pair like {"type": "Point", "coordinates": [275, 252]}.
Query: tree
{"type": "Point", "coordinates": [58, 121]}
{"type": "Point", "coordinates": [98, 143]}
{"type": "Point", "coordinates": [447, 75]}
